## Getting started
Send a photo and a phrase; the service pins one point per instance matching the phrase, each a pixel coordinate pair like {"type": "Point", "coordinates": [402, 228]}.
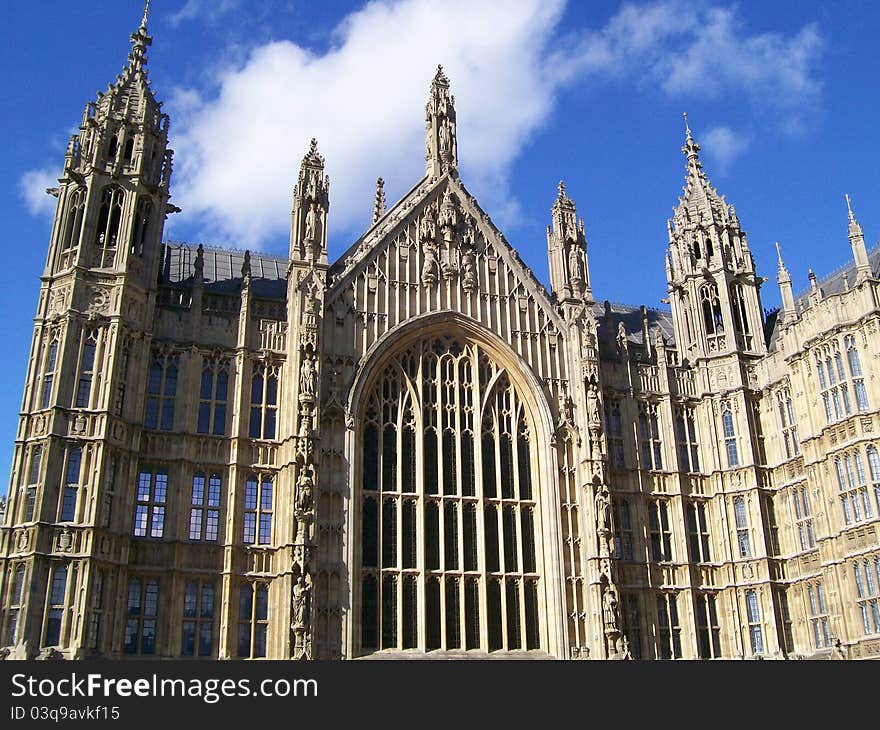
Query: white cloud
{"type": "Point", "coordinates": [199, 9]}
{"type": "Point", "coordinates": [723, 145]}
{"type": "Point", "coordinates": [239, 144]}
{"type": "Point", "coordinates": [239, 152]}
{"type": "Point", "coordinates": [703, 51]}
{"type": "Point", "coordinates": [32, 188]}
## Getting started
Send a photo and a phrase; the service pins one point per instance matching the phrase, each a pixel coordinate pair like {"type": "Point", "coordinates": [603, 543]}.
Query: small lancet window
{"type": "Point", "coordinates": [711, 305]}
{"type": "Point", "coordinates": [107, 232]}
{"type": "Point", "coordinates": [113, 146]}
{"type": "Point", "coordinates": [129, 149]}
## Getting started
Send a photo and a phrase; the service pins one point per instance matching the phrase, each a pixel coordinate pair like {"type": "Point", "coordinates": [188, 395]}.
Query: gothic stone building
{"type": "Point", "coordinates": [418, 450]}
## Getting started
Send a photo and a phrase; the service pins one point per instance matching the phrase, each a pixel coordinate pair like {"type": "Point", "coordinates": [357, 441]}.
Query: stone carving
{"type": "Point", "coordinates": [311, 223]}
{"type": "Point", "coordinates": [300, 618]}
{"type": "Point", "coordinates": [304, 490]}
{"type": "Point", "coordinates": [622, 341]}
{"type": "Point", "coordinates": [609, 609]}
{"type": "Point", "coordinates": [603, 509]}
{"type": "Point", "coordinates": [574, 265]}
{"type": "Point", "coordinates": [429, 268]}
{"type": "Point", "coordinates": [307, 376]}
{"type": "Point", "coordinates": [594, 407]}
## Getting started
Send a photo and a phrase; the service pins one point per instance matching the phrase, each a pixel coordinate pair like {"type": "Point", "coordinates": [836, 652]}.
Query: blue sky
{"type": "Point", "coordinates": [782, 96]}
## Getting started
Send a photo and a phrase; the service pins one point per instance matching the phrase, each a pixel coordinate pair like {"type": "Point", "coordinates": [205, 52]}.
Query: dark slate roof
{"type": "Point", "coordinates": [222, 270]}
{"type": "Point", "coordinates": [831, 284]}
{"type": "Point", "coordinates": [609, 314]}
{"type": "Point", "coordinates": [222, 275]}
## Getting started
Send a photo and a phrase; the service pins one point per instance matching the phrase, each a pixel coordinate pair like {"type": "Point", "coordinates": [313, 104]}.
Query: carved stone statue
{"type": "Point", "coordinates": [311, 223]}
{"type": "Point", "coordinates": [429, 268]}
{"type": "Point", "coordinates": [603, 509]}
{"type": "Point", "coordinates": [300, 605]}
{"type": "Point", "coordinates": [609, 608]}
{"type": "Point", "coordinates": [307, 378]}
{"type": "Point", "coordinates": [594, 412]}
{"type": "Point", "coordinates": [469, 269]}
{"type": "Point", "coordinates": [574, 264]}
{"type": "Point", "coordinates": [622, 342]}
{"type": "Point", "coordinates": [304, 491]}
{"type": "Point", "coordinates": [444, 139]}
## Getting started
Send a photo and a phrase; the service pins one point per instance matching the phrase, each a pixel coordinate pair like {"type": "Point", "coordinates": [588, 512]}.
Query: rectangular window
{"type": "Point", "coordinates": [141, 616]}
{"type": "Point", "coordinates": [33, 482]}
{"type": "Point", "coordinates": [668, 627]}
{"type": "Point", "coordinates": [818, 615]}
{"type": "Point", "coordinates": [49, 374]}
{"type": "Point", "coordinates": [86, 368]}
{"type": "Point", "coordinates": [649, 437]}
{"type": "Point", "coordinates": [855, 371]}
{"type": "Point", "coordinates": [96, 610]}
{"type": "Point", "coordinates": [631, 622]}
{"type": "Point", "coordinates": [623, 538]}
{"type": "Point", "coordinates": [867, 576]}
{"type": "Point", "coordinates": [614, 432]}
{"type": "Point", "coordinates": [213, 395]}
{"type": "Point", "coordinates": [785, 619]}
{"type": "Point", "coordinates": [198, 619]}
{"type": "Point", "coordinates": [264, 402]}
{"type": "Point", "coordinates": [660, 530]}
{"type": "Point", "coordinates": [257, 511]}
{"type": "Point", "coordinates": [15, 605]}
{"type": "Point", "coordinates": [161, 392]}
{"type": "Point", "coordinates": [708, 628]}
{"type": "Point", "coordinates": [756, 635]}
{"type": "Point", "coordinates": [57, 602]}
{"type": "Point", "coordinates": [204, 514]}
{"type": "Point", "coordinates": [785, 409]}
{"type": "Point", "coordinates": [851, 481]}
{"type": "Point", "coordinates": [686, 439]}
{"type": "Point", "coordinates": [743, 537]}
{"type": "Point", "coordinates": [253, 620]}
{"type": "Point", "coordinates": [698, 532]}
{"type": "Point", "coordinates": [730, 444]}
{"type": "Point", "coordinates": [71, 484]}
{"type": "Point", "coordinates": [149, 511]}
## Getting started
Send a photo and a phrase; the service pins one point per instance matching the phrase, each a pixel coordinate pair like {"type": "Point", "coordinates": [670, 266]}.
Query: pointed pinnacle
{"type": "Point", "coordinates": [146, 13]}
{"type": "Point", "coordinates": [849, 206]}
{"type": "Point", "coordinates": [687, 127]}
{"type": "Point", "coordinates": [561, 188]}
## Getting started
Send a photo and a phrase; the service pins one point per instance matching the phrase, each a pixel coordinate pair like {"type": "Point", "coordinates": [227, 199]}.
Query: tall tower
{"type": "Point", "coordinates": [300, 424]}
{"type": "Point", "coordinates": [713, 287]}
{"type": "Point", "coordinates": [78, 429]}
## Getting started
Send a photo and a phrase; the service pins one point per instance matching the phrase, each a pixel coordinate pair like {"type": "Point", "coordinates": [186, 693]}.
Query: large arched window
{"type": "Point", "coordinates": [448, 510]}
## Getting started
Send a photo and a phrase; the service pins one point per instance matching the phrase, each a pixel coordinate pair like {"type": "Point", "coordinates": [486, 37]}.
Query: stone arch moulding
{"type": "Point", "coordinates": [537, 409]}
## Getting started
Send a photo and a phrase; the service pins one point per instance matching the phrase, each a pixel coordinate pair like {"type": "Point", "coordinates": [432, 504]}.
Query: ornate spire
{"type": "Point", "coordinates": [857, 241]}
{"type": "Point", "coordinates": [783, 272]}
{"type": "Point", "coordinates": [701, 203]}
{"type": "Point", "coordinates": [140, 40]}
{"type": "Point", "coordinates": [691, 149]}
{"type": "Point", "coordinates": [441, 146]}
{"type": "Point", "coordinates": [379, 202]}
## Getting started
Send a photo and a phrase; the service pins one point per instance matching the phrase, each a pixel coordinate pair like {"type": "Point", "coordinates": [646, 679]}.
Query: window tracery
{"type": "Point", "coordinates": [448, 510]}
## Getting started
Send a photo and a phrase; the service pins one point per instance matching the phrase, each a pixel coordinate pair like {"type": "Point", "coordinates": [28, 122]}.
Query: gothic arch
{"type": "Point", "coordinates": [537, 587]}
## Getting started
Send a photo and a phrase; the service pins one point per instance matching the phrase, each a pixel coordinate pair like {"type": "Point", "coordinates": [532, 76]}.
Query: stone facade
{"type": "Point", "coordinates": [417, 450]}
